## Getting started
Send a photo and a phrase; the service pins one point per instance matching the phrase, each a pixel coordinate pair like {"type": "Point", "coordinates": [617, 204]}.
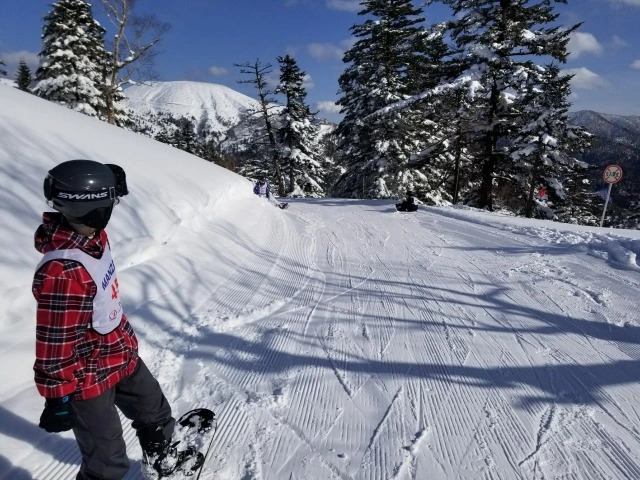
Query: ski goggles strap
{"type": "Point", "coordinates": [121, 179]}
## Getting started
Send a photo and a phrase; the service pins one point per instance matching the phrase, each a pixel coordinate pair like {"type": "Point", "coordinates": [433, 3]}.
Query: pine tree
{"type": "Point", "coordinates": [185, 137]}
{"type": "Point", "coordinates": [581, 204]}
{"type": "Point", "coordinates": [298, 133]}
{"type": "Point", "coordinates": [381, 71]}
{"type": "Point", "coordinates": [544, 147]}
{"type": "Point", "coordinates": [23, 76]}
{"type": "Point", "coordinates": [441, 171]}
{"type": "Point", "coordinates": [73, 60]}
{"type": "Point", "coordinates": [2, 71]}
{"type": "Point", "coordinates": [258, 72]}
{"type": "Point", "coordinates": [500, 41]}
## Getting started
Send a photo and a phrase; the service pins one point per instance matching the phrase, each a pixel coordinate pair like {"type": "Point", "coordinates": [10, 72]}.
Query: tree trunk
{"type": "Point", "coordinates": [275, 159]}
{"type": "Point", "coordinates": [489, 163]}
{"type": "Point", "coordinates": [292, 178]}
{"type": "Point", "coordinates": [456, 175]}
{"type": "Point", "coordinates": [110, 93]}
{"type": "Point", "coordinates": [528, 209]}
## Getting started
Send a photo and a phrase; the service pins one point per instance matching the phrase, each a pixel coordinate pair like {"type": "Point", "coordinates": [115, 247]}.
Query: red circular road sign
{"type": "Point", "coordinates": [612, 174]}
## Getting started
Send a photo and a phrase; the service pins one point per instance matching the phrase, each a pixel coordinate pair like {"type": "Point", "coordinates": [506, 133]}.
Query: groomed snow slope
{"type": "Point", "coordinates": [339, 339]}
{"type": "Point", "coordinates": [221, 107]}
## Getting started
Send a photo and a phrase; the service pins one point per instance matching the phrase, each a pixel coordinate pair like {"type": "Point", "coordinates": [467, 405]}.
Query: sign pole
{"type": "Point", "coordinates": [604, 210]}
{"type": "Point", "coordinates": [612, 174]}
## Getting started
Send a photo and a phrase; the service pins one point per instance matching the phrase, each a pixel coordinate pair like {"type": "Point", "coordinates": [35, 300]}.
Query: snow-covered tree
{"type": "Point", "coordinates": [381, 71]}
{"type": "Point", "coordinates": [73, 59]}
{"type": "Point", "coordinates": [499, 41]}
{"type": "Point", "coordinates": [543, 150]}
{"type": "Point", "coordinates": [258, 72]}
{"type": "Point", "coordinates": [441, 170]}
{"type": "Point", "coordinates": [23, 76]}
{"type": "Point", "coordinates": [2, 71]}
{"type": "Point", "coordinates": [298, 134]}
{"type": "Point", "coordinates": [579, 202]}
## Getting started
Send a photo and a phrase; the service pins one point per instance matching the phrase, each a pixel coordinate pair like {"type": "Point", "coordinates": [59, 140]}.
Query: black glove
{"type": "Point", "coordinates": [57, 415]}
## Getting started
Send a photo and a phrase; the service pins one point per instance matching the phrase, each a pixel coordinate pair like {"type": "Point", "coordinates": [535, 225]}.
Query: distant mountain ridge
{"type": "Point", "coordinates": [617, 140]}
{"type": "Point", "coordinates": [606, 124]}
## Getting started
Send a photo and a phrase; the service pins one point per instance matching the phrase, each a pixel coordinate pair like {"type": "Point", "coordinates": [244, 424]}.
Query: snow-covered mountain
{"type": "Point", "coordinates": [218, 106]}
{"type": "Point", "coordinates": [608, 125]}
{"type": "Point", "coordinates": [617, 139]}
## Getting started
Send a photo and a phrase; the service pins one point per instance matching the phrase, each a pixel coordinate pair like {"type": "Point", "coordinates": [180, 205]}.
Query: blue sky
{"type": "Point", "coordinates": [209, 36]}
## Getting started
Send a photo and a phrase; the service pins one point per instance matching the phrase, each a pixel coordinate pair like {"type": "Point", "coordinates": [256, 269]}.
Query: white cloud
{"type": "Point", "coordinates": [618, 42]}
{"type": "Point", "coordinates": [581, 42]}
{"type": "Point", "coordinates": [12, 59]}
{"type": "Point", "coordinates": [636, 65]}
{"type": "Point", "coordinates": [272, 80]}
{"type": "Point", "coordinates": [635, 3]}
{"type": "Point", "coordinates": [344, 5]}
{"type": "Point", "coordinates": [328, 107]}
{"type": "Point", "coordinates": [218, 71]}
{"type": "Point", "coordinates": [325, 51]}
{"type": "Point", "coordinates": [585, 79]}
{"type": "Point", "coordinates": [307, 82]}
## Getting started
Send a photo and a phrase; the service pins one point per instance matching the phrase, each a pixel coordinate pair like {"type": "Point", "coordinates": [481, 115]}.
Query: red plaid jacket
{"type": "Point", "coordinates": [71, 358]}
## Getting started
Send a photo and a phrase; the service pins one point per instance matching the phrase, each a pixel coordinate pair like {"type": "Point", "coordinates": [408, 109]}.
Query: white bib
{"type": "Point", "coordinates": [107, 307]}
{"type": "Point", "coordinates": [262, 190]}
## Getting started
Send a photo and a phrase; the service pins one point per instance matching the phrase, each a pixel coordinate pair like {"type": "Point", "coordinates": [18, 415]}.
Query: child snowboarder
{"type": "Point", "coordinates": [409, 204]}
{"type": "Point", "coordinates": [261, 188]}
{"type": "Point", "coordinates": [87, 361]}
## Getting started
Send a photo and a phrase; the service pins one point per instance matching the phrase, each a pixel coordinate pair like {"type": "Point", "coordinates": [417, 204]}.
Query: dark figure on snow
{"type": "Point", "coordinates": [87, 360]}
{"type": "Point", "coordinates": [409, 204]}
{"type": "Point", "coordinates": [261, 188]}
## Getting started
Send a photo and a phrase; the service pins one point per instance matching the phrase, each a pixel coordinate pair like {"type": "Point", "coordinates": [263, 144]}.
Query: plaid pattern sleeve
{"type": "Point", "coordinates": [72, 358]}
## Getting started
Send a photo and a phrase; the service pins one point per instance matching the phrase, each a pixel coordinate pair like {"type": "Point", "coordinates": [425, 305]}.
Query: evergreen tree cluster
{"type": "Point", "coordinates": [76, 69]}
{"type": "Point", "coordinates": [2, 71]}
{"type": "Point", "coordinates": [287, 147]}
{"type": "Point", "coordinates": [474, 109]}
{"type": "Point", "coordinates": [183, 133]}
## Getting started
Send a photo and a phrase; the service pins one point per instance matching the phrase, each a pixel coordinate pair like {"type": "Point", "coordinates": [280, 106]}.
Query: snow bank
{"type": "Point", "coordinates": [620, 248]}
{"type": "Point", "coordinates": [171, 236]}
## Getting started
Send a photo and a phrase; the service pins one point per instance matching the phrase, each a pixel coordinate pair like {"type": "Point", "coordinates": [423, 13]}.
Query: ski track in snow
{"type": "Point", "coordinates": [350, 342]}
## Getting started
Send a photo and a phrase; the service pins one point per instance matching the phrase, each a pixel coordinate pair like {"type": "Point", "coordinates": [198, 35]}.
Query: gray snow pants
{"type": "Point", "coordinates": [98, 430]}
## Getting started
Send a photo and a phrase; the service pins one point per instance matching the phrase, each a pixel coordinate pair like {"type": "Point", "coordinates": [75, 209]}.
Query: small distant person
{"type": "Point", "coordinates": [87, 361]}
{"type": "Point", "coordinates": [261, 188]}
{"type": "Point", "coordinates": [409, 204]}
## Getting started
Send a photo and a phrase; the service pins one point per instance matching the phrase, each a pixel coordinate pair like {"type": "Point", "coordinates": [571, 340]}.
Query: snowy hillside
{"type": "Point", "coordinates": [218, 106]}
{"type": "Point", "coordinates": [337, 339]}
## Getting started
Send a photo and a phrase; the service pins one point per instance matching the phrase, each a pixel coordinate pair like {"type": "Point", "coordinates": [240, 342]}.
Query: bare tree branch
{"type": "Point", "coordinates": [133, 50]}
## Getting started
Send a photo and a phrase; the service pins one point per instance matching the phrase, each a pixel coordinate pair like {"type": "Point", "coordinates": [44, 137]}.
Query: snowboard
{"type": "Point", "coordinates": [283, 206]}
{"type": "Point", "coordinates": [192, 439]}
